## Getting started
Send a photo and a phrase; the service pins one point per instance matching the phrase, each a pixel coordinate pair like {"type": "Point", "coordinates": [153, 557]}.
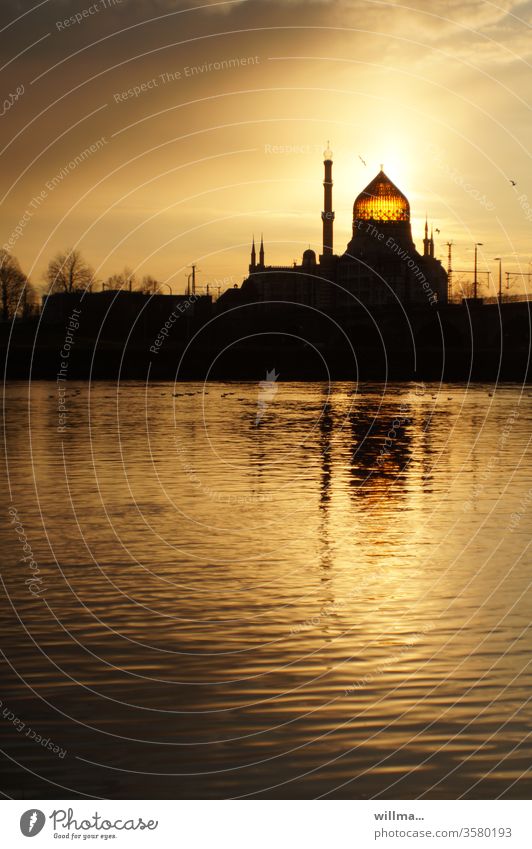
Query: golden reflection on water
{"type": "Point", "coordinates": [334, 602]}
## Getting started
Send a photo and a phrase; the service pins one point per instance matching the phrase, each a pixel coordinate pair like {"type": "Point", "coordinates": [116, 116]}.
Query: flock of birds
{"type": "Point", "coordinates": [437, 397]}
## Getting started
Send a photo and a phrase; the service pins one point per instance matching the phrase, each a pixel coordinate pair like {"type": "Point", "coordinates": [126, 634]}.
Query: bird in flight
{"type": "Point", "coordinates": [437, 231]}
{"type": "Point", "coordinates": [363, 161]}
{"type": "Point", "coordinates": [513, 182]}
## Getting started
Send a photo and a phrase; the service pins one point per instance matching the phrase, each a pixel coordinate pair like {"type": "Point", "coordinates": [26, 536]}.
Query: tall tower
{"type": "Point", "coordinates": [431, 247]}
{"type": "Point", "coordinates": [253, 263]}
{"type": "Point", "coordinates": [261, 252]}
{"type": "Point", "coordinates": [327, 215]}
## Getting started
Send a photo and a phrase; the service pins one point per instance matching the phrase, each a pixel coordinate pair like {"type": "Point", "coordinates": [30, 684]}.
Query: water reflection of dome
{"type": "Point", "coordinates": [381, 200]}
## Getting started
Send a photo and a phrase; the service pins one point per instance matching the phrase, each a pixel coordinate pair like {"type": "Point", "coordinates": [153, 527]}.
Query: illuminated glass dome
{"type": "Point", "coordinates": [381, 201]}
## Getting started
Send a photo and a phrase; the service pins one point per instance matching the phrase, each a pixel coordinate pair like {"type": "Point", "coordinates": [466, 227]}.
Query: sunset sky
{"type": "Point", "coordinates": [189, 168]}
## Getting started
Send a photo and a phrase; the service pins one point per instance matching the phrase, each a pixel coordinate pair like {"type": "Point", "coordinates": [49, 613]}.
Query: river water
{"type": "Point", "coordinates": [280, 590]}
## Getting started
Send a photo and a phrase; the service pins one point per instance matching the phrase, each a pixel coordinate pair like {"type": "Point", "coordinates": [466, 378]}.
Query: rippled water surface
{"type": "Point", "coordinates": [293, 592]}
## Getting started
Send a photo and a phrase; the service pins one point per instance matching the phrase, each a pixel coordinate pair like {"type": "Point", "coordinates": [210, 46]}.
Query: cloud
{"type": "Point", "coordinates": [426, 21]}
{"type": "Point", "coordinates": [473, 28]}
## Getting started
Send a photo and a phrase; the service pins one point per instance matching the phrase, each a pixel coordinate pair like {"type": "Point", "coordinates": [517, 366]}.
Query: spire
{"type": "Point", "coordinates": [432, 241]}
{"type": "Point", "coordinates": [426, 240]}
{"type": "Point", "coordinates": [261, 252]}
{"type": "Point", "coordinates": [253, 262]}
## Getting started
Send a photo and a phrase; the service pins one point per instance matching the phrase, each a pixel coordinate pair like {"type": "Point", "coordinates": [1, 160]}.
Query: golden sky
{"type": "Point", "coordinates": [235, 102]}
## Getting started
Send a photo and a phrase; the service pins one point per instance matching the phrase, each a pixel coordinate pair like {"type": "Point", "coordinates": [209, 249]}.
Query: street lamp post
{"type": "Point", "coordinates": [191, 288]}
{"type": "Point", "coordinates": [475, 281]}
{"type": "Point", "coordinates": [499, 260]}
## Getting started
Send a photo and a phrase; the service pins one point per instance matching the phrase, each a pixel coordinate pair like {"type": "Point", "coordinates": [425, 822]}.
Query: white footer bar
{"type": "Point", "coordinates": [268, 824]}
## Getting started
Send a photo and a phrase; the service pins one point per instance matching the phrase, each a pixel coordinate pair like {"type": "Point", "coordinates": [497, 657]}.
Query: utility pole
{"type": "Point", "coordinates": [475, 279]}
{"type": "Point", "coordinates": [191, 288]}
{"type": "Point", "coordinates": [499, 260]}
{"type": "Point", "coordinates": [449, 271]}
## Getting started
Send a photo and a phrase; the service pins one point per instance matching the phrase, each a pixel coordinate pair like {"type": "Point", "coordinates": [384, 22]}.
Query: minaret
{"type": "Point", "coordinates": [426, 240]}
{"type": "Point", "coordinates": [253, 263]}
{"type": "Point", "coordinates": [431, 246]}
{"type": "Point", "coordinates": [261, 252]}
{"type": "Point", "coordinates": [327, 215]}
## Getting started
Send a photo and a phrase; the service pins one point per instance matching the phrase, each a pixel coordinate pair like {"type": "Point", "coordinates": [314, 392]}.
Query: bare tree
{"type": "Point", "coordinates": [68, 272]}
{"type": "Point", "coordinates": [462, 286]}
{"type": "Point", "coordinates": [149, 285]}
{"type": "Point", "coordinates": [16, 292]}
{"type": "Point", "coordinates": [124, 280]}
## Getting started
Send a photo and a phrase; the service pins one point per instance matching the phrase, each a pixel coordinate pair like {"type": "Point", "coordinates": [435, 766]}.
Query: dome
{"type": "Point", "coordinates": [309, 257]}
{"type": "Point", "coordinates": [381, 201]}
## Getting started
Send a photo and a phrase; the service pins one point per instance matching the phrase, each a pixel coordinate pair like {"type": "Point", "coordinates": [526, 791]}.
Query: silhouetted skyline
{"type": "Point", "coordinates": [193, 128]}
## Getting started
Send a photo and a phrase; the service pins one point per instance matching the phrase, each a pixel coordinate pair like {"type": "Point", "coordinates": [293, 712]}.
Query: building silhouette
{"type": "Point", "coordinates": [380, 266]}
{"type": "Point", "coordinates": [377, 311]}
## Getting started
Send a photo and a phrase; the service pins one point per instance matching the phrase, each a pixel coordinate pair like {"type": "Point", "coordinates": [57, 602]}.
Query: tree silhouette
{"type": "Point", "coordinates": [68, 272]}
{"type": "Point", "coordinates": [125, 280]}
{"type": "Point", "coordinates": [17, 296]}
{"type": "Point", "coordinates": [149, 285]}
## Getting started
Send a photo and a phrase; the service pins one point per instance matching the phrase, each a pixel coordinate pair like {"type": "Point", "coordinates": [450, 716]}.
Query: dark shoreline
{"type": "Point", "coordinates": [240, 364]}
{"type": "Point", "coordinates": [460, 343]}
